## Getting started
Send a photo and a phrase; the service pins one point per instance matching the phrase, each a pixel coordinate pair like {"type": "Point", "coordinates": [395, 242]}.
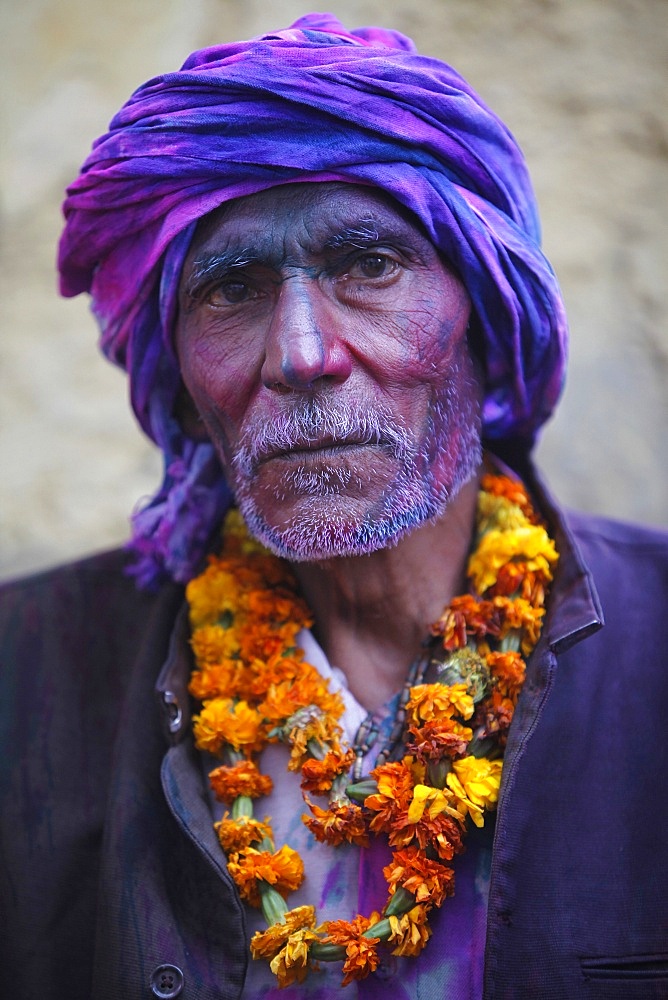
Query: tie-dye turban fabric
{"type": "Point", "coordinates": [313, 102]}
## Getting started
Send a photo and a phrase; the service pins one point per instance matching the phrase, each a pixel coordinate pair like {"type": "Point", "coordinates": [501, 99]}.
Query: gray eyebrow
{"type": "Point", "coordinates": [359, 235]}
{"type": "Point", "coordinates": [217, 264]}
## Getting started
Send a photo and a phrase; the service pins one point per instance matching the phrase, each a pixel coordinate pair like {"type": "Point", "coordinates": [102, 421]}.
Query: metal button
{"type": "Point", "coordinates": [167, 981]}
{"type": "Point", "coordinates": [173, 709]}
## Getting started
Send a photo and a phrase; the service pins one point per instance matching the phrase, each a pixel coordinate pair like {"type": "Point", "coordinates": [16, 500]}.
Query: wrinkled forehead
{"type": "Point", "coordinates": [304, 223]}
{"type": "Point", "coordinates": [313, 214]}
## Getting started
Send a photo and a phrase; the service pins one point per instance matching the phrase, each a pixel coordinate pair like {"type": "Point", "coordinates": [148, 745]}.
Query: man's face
{"type": "Point", "coordinates": [323, 342]}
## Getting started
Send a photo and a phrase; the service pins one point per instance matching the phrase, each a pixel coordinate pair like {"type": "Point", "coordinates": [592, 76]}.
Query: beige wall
{"type": "Point", "coordinates": [583, 86]}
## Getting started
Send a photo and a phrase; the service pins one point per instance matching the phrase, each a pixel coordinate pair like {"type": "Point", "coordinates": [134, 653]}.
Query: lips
{"type": "Point", "coordinates": [310, 447]}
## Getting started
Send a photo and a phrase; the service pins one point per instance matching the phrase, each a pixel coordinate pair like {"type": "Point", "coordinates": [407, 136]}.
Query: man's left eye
{"type": "Point", "coordinates": [373, 265]}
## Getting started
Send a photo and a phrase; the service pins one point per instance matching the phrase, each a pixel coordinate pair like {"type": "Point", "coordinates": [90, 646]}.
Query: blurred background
{"type": "Point", "coordinates": [581, 85]}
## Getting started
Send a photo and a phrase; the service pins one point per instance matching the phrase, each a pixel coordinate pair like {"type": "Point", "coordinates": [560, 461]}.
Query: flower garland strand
{"type": "Point", "coordinates": [256, 688]}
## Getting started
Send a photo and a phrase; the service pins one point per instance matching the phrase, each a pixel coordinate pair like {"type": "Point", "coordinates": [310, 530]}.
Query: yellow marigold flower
{"type": "Point", "coordinates": [211, 595]}
{"type": "Point", "coordinates": [437, 701]}
{"type": "Point", "coordinates": [283, 869]}
{"type": "Point", "coordinates": [530, 544]}
{"type": "Point", "coordinates": [291, 964]}
{"type": "Point", "coordinates": [228, 782]}
{"type": "Point", "coordinates": [266, 944]}
{"type": "Point", "coordinates": [410, 932]}
{"type": "Point", "coordinates": [213, 643]}
{"type": "Point", "coordinates": [481, 779]}
{"type": "Point", "coordinates": [237, 834]}
{"type": "Point", "coordinates": [499, 513]}
{"type": "Point", "coordinates": [434, 800]}
{"type": "Point", "coordinates": [224, 721]}
{"type": "Point", "coordinates": [474, 784]}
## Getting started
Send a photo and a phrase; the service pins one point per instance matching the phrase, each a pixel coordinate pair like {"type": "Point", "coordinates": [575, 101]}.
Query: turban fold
{"type": "Point", "coordinates": [311, 103]}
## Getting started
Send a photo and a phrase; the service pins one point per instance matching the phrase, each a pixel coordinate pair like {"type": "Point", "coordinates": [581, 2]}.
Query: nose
{"type": "Point", "coordinates": [304, 348]}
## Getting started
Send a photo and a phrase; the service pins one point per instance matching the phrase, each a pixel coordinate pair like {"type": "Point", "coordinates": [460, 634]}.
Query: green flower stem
{"type": "Point", "coordinates": [274, 906]}
{"type": "Point", "coordinates": [317, 749]}
{"type": "Point", "coordinates": [337, 792]}
{"type": "Point", "coordinates": [438, 771]}
{"type": "Point", "coordinates": [481, 746]}
{"type": "Point", "coordinates": [401, 902]}
{"type": "Point", "coordinates": [361, 789]}
{"type": "Point", "coordinates": [327, 952]}
{"type": "Point", "coordinates": [511, 642]}
{"type": "Point", "coordinates": [380, 930]}
{"type": "Point", "coordinates": [242, 806]}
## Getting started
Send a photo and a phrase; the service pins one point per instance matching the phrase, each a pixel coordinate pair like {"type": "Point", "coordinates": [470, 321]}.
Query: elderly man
{"type": "Point", "coordinates": [316, 253]}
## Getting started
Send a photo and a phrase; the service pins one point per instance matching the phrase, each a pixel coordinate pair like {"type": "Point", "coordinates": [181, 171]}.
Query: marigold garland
{"type": "Point", "coordinates": [256, 688]}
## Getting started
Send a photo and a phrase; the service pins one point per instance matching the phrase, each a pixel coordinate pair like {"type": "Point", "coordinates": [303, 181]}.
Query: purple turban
{"type": "Point", "coordinates": [313, 102]}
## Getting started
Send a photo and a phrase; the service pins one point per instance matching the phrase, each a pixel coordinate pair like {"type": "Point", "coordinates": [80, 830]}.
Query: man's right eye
{"type": "Point", "coordinates": [230, 292]}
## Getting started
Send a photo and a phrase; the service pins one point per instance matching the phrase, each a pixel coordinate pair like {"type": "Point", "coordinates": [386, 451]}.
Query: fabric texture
{"type": "Point", "coordinates": [109, 865]}
{"type": "Point", "coordinates": [311, 103]}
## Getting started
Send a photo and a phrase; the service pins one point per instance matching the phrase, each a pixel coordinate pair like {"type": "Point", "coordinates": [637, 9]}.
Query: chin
{"type": "Point", "coordinates": [323, 526]}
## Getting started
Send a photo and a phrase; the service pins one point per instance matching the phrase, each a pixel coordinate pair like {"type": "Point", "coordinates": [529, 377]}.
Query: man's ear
{"type": "Point", "coordinates": [188, 416]}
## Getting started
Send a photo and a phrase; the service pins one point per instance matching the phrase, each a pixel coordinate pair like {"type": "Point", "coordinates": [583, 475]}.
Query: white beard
{"type": "Point", "coordinates": [328, 524]}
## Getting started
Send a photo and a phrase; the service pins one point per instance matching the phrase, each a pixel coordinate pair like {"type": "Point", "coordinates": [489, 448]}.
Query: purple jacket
{"type": "Point", "coordinates": [111, 877]}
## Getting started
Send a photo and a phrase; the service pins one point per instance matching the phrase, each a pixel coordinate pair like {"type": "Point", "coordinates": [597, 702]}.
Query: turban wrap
{"type": "Point", "coordinates": [313, 102]}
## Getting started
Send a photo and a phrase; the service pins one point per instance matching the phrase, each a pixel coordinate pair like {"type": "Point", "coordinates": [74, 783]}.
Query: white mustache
{"type": "Point", "coordinates": [315, 423]}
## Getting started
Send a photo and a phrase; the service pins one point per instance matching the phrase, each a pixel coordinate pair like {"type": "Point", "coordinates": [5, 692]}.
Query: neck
{"type": "Point", "coordinates": [372, 612]}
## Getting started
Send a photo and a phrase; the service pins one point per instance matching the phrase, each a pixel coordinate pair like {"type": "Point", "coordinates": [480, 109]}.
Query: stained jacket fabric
{"type": "Point", "coordinates": [111, 878]}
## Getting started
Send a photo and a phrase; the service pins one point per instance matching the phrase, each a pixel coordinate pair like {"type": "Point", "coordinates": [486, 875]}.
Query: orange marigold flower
{"type": "Point", "coordinates": [438, 738]}
{"type": "Point", "coordinates": [517, 579]}
{"type": "Point", "coordinates": [266, 944]}
{"type": "Point", "coordinates": [518, 615]}
{"type": "Point", "coordinates": [318, 775]}
{"type": "Point", "coordinates": [218, 680]}
{"type": "Point", "coordinates": [308, 724]}
{"type": "Point", "coordinates": [223, 721]}
{"type": "Point", "coordinates": [466, 616]}
{"type": "Point", "coordinates": [237, 834]}
{"type": "Point", "coordinates": [288, 696]}
{"type": "Point", "coordinates": [395, 791]}
{"type": "Point", "coordinates": [431, 821]}
{"type": "Point", "coordinates": [429, 881]}
{"type": "Point", "coordinates": [497, 715]}
{"type": "Point", "coordinates": [342, 821]}
{"type": "Point", "coordinates": [228, 782]}
{"type": "Point", "coordinates": [410, 932]}
{"type": "Point", "coordinates": [264, 672]}
{"type": "Point", "coordinates": [438, 701]}
{"type": "Point", "coordinates": [511, 489]}
{"type": "Point", "coordinates": [283, 869]}
{"type": "Point", "coordinates": [509, 671]}
{"type": "Point", "coordinates": [361, 952]}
